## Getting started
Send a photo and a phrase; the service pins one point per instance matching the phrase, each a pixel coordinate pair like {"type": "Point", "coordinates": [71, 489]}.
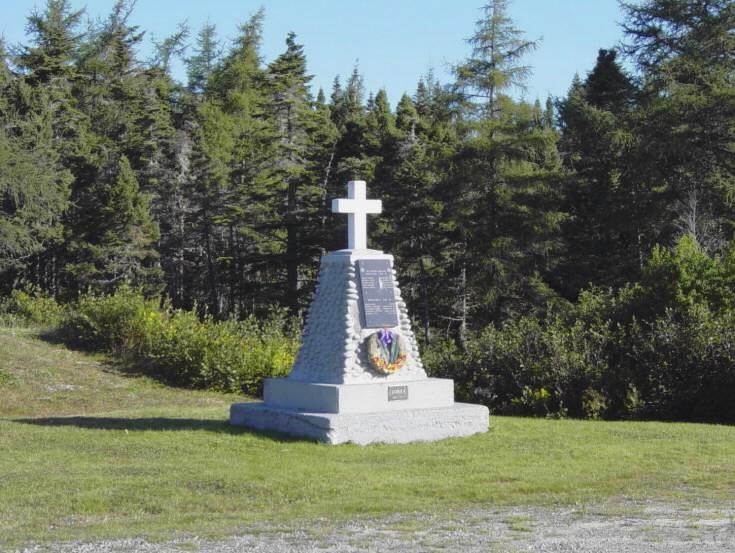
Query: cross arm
{"type": "Point", "coordinates": [345, 205]}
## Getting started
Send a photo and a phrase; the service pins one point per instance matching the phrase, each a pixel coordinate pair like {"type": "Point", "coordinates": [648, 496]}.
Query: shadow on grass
{"type": "Point", "coordinates": [157, 423]}
{"type": "Point", "coordinates": [150, 423]}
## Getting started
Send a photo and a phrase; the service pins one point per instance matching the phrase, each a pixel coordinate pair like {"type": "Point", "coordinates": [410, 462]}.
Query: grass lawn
{"type": "Point", "coordinates": [87, 451]}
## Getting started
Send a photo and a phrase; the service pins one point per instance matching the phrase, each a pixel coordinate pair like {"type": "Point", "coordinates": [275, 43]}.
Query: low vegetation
{"type": "Point", "coordinates": [177, 346]}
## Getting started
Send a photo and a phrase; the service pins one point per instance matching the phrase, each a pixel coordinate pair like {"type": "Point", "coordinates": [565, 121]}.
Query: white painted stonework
{"type": "Point", "coordinates": [332, 394]}
{"type": "Point", "coordinates": [332, 343]}
{"type": "Point", "coordinates": [411, 425]}
{"type": "Point", "coordinates": [358, 398]}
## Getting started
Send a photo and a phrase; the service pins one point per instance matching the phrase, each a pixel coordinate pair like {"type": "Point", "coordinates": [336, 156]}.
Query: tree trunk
{"type": "Point", "coordinates": [292, 259]}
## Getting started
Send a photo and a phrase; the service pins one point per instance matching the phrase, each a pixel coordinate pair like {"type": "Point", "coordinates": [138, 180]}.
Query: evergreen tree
{"type": "Point", "coordinates": [169, 48]}
{"type": "Point", "coordinates": [498, 48]}
{"type": "Point", "coordinates": [45, 92]}
{"type": "Point", "coordinates": [613, 217]}
{"type": "Point", "coordinates": [202, 64]}
{"type": "Point", "coordinates": [684, 49]}
{"type": "Point", "coordinates": [234, 213]}
{"type": "Point", "coordinates": [607, 87]}
{"type": "Point", "coordinates": [292, 111]}
{"type": "Point", "coordinates": [210, 166]}
{"type": "Point", "coordinates": [549, 118]}
{"type": "Point", "coordinates": [55, 42]}
{"type": "Point", "coordinates": [34, 192]}
{"type": "Point", "coordinates": [415, 165]}
{"type": "Point", "coordinates": [117, 244]}
{"type": "Point", "coordinates": [504, 202]}
{"type": "Point", "coordinates": [353, 160]}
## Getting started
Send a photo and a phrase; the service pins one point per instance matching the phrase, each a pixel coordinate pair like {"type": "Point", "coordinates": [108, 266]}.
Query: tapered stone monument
{"type": "Point", "coordinates": [358, 376]}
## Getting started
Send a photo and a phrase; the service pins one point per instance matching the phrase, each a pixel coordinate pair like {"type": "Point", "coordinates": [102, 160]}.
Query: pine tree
{"type": "Point", "coordinates": [117, 242]}
{"type": "Point", "coordinates": [687, 121]}
{"type": "Point", "coordinates": [504, 205]}
{"type": "Point", "coordinates": [202, 64]}
{"type": "Point", "coordinates": [612, 216]}
{"type": "Point", "coordinates": [291, 109]}
{"type": "Point", "coordinates": [495, 65]}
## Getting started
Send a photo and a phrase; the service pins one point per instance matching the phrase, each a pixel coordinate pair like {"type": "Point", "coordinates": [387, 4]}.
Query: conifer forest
{"type": "Point", "coordinates": [570, 256]}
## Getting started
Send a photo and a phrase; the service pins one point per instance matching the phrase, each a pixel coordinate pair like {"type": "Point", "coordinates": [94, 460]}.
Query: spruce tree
{"type": "Point", "coordinates": [612, 215]}
{"type": "Point", "coordinates": [291, 110]}
{"type": "Point", "coordinates": [234, 178]}
{"type": "Point", "coordinates": [34, 193]}
{"type": "Point", "coordinates": [687, 118]}
{"type": "Point", "coordinates": [46, 91]}
{"type": "Point", "coordinates": [117, 243]}
{"type": "Point", "coordinates": [202, 64]}
{"type": "Point", "coordinates": [504, 201]}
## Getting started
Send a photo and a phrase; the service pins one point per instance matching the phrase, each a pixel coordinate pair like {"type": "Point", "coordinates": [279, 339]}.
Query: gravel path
{"type": "Point", "coordinates": [621, 527]}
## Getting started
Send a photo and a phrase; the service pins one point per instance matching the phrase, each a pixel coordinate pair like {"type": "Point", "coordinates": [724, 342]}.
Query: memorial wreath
{"type": "Point", "coordinates": [386, 351]}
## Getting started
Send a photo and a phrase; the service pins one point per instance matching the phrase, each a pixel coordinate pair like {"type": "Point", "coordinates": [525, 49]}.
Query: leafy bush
{"type": "Point", "coordinates": [686, 366]}
{"type": "Point", "coordinates": [663, 348]}
{"type": "Point", "coordinates": [233, 356]}
{"type": "Point", "coordinates": [22, 309]}
{"type": "Point", "coordinates": [531, 366]}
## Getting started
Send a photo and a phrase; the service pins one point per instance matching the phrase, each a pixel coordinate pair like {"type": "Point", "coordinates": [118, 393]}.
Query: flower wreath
{"type": "Point", "coordinates": [386, 351]}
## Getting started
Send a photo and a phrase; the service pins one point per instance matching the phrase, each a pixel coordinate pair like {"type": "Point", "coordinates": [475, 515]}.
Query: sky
{"type": "Point", "coordinates": [393, 42]}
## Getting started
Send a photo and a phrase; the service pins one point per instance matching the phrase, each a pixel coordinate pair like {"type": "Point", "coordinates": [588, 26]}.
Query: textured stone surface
{"type": "Point", "coordinates": [332, 349]}
{"type": "Point", "coordinates": [357, 398]}
{"type": "Point", "coordinates": [410, 425]}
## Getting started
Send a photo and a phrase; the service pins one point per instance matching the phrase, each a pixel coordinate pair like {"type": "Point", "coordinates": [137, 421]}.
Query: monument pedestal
{"type": "Point", "coordinates": [392, 427]}
{"type": "Point", "coordinates": [358, 376]}
{"type": "Point", "coordinates": [366, 397]}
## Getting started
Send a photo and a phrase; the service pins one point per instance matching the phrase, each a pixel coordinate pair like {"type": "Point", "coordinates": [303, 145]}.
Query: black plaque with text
{"type": "Point", "coordinates": [377, 293]}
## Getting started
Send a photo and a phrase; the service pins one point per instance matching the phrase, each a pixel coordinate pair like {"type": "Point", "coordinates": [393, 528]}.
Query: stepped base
{"type": "Point", "coordinates": [367, 397]}
{"type": "Point", "coordinates": [394, 427]}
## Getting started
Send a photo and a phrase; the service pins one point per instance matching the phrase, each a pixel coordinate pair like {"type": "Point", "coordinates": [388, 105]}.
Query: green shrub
{"type": "Point", "coordinates": [23, 308]}
{"type": "Point", "coordinates": [533, 366]}
{"type": "Point", "coordinates": [535, 402]}
{"type": "Point", "coordinates": [232, 356]}
{"type": "Point", "coordinates": [594, 403]}
{"type": "Point", "coordinates": [663, 348]}
{"type": "Point", "coordinates": [686, 366]}
{"type": "Point", "coordinates": [114, 323]}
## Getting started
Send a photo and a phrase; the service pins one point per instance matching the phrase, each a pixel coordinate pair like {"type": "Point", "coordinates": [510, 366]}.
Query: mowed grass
{"type": "Point", "coordinates": [118, 456]}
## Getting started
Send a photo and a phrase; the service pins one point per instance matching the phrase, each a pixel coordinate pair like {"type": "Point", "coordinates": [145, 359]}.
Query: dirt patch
{"type": "Point", "coordinates": [615, 527]}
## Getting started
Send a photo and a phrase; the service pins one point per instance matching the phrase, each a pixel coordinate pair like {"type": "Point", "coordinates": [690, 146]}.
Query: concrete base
{"type": "Point", "coordinates": [368, 397]}
{"type": "Point", "coordinates": [395, 427]}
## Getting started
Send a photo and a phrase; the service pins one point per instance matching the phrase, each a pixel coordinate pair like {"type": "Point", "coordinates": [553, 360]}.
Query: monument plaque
{"type": "Point", "coordinates": [377, 293]}
{"type": "Point", "coordinates": [397, 393]}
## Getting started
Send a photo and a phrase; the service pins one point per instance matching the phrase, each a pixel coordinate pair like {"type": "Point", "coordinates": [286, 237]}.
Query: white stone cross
{"type": "Point", "coordinates": [357, 208]}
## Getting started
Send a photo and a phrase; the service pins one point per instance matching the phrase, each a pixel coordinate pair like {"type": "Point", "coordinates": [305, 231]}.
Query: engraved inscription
{"type": "Point", "coordinates": [377, 293]}
{"type": "Point", "coordinates": [397, 393]}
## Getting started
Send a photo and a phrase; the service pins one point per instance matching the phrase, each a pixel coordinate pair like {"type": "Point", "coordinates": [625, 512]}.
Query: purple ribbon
{"type": "Point", "coordinates": [386, 337]}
